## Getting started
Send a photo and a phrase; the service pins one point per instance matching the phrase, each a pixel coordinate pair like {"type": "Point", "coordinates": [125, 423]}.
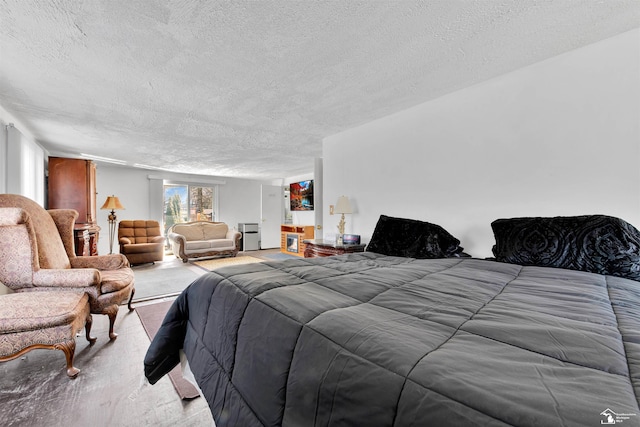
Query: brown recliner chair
{"type": "Point", "coordinates": [141, 241]}
{"type": "Point", "coordinates": [37, 254]}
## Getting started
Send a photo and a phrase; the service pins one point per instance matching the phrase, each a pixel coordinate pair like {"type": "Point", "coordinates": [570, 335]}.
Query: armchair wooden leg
{"type": "Point", "coordinates": [112, 312]}
{"type": "Point", "coordinates": [87, 327]}
{"type": "Point", "coordinates": [133, 291]}
{"type": "Point", "coordinates": [69, 348]}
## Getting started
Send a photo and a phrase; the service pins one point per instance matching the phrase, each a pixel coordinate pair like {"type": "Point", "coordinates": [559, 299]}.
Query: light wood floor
{"type": "Point", "coordinates": [109, 391]}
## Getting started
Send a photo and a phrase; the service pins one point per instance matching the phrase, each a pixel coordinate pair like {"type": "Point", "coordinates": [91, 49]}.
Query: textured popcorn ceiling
{"type": "Point", "coordinates": [249, 89]}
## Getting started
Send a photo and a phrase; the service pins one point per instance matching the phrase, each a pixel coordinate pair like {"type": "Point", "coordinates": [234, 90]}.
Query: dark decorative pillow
{"type": "Point", "coordinates": [594, 243]}
{"type": "Point", "coordinates": [411, 238]}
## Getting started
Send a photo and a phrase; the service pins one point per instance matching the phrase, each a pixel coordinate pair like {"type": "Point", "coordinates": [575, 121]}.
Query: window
{"type": "Point", "coordinates": [185, 203]}
{"type": "Point", "coordinates": [201, 204]}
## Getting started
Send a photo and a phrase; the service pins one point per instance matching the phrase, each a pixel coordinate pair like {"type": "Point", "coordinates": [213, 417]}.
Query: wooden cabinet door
{"type": "Point", "coordinates": [72, 185]}
{"type": "Point", "coordinates": [91, 192]}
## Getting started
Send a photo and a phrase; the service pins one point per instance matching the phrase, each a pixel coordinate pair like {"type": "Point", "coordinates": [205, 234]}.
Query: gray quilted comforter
{"type": "Point", "coordinates": [372, 340]}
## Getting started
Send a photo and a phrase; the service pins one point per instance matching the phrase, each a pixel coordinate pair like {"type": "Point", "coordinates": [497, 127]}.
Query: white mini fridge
{"type": "Point", "coordinates": [250, 240]}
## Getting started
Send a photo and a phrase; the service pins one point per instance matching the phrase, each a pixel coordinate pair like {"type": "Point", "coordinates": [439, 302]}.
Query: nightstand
{"type": "Point", "coordinates": [320, 248]}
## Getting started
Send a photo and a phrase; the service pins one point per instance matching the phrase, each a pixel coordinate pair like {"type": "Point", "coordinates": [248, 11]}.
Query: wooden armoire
{"type": "Point", "coordinates": [72, 185]}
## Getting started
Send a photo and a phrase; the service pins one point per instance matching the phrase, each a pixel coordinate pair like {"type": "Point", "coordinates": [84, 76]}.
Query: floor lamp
{"type": "Point", "coordinates": [112, 203]}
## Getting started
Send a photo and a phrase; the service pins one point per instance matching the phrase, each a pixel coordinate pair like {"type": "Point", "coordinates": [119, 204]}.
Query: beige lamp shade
{"type": "Point", "coordinates": [112, 203]}
{"type": "Point", "coordinates": [343, 206]}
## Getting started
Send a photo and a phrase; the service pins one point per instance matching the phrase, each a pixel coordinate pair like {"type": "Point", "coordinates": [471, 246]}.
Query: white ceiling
{"type": "Point", "coordinates": [250, 89]}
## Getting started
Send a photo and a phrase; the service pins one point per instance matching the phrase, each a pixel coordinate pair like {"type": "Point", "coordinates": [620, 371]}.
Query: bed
{"type": "Point", "coordinates": [438, 338]}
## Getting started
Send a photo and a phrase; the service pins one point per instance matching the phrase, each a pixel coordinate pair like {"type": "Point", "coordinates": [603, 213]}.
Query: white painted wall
{"type": "Point", "coordinates": [560, 137]}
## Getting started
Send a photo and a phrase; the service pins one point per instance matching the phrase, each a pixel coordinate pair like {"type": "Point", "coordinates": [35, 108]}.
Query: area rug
{"type": "Point", "coordinates": [212, 264]}
{"type": "Point", "coordinates": [280, 256]}
{"type": "Point", "coordinates": [159, 282]}
{"type": "Point", "coordinates": [151, 316]}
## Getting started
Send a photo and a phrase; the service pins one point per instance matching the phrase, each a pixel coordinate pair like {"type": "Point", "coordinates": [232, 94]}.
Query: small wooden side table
{"type": "Point", "coordinates": [86, 239]}
{"type": "Point", "coordinates": [320, 248]}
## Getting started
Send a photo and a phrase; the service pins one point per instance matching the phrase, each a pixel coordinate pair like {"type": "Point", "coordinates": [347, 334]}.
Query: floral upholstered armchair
{"type": "Point", "coordinates": [37, 253]}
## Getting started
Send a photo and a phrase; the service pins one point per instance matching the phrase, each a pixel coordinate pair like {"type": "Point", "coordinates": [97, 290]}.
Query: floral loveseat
{"type": "Point", "coordinates": [203, 239]}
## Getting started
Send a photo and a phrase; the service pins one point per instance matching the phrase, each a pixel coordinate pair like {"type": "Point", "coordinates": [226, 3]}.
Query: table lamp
{"type": "Point", "coordinates": [342, 207]}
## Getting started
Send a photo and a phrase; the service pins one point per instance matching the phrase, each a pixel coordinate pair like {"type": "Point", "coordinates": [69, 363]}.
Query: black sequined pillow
{"type": "Point", "coordinates": [594, 243]}
{"type": "Point", "coordinates": [411, 238]}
